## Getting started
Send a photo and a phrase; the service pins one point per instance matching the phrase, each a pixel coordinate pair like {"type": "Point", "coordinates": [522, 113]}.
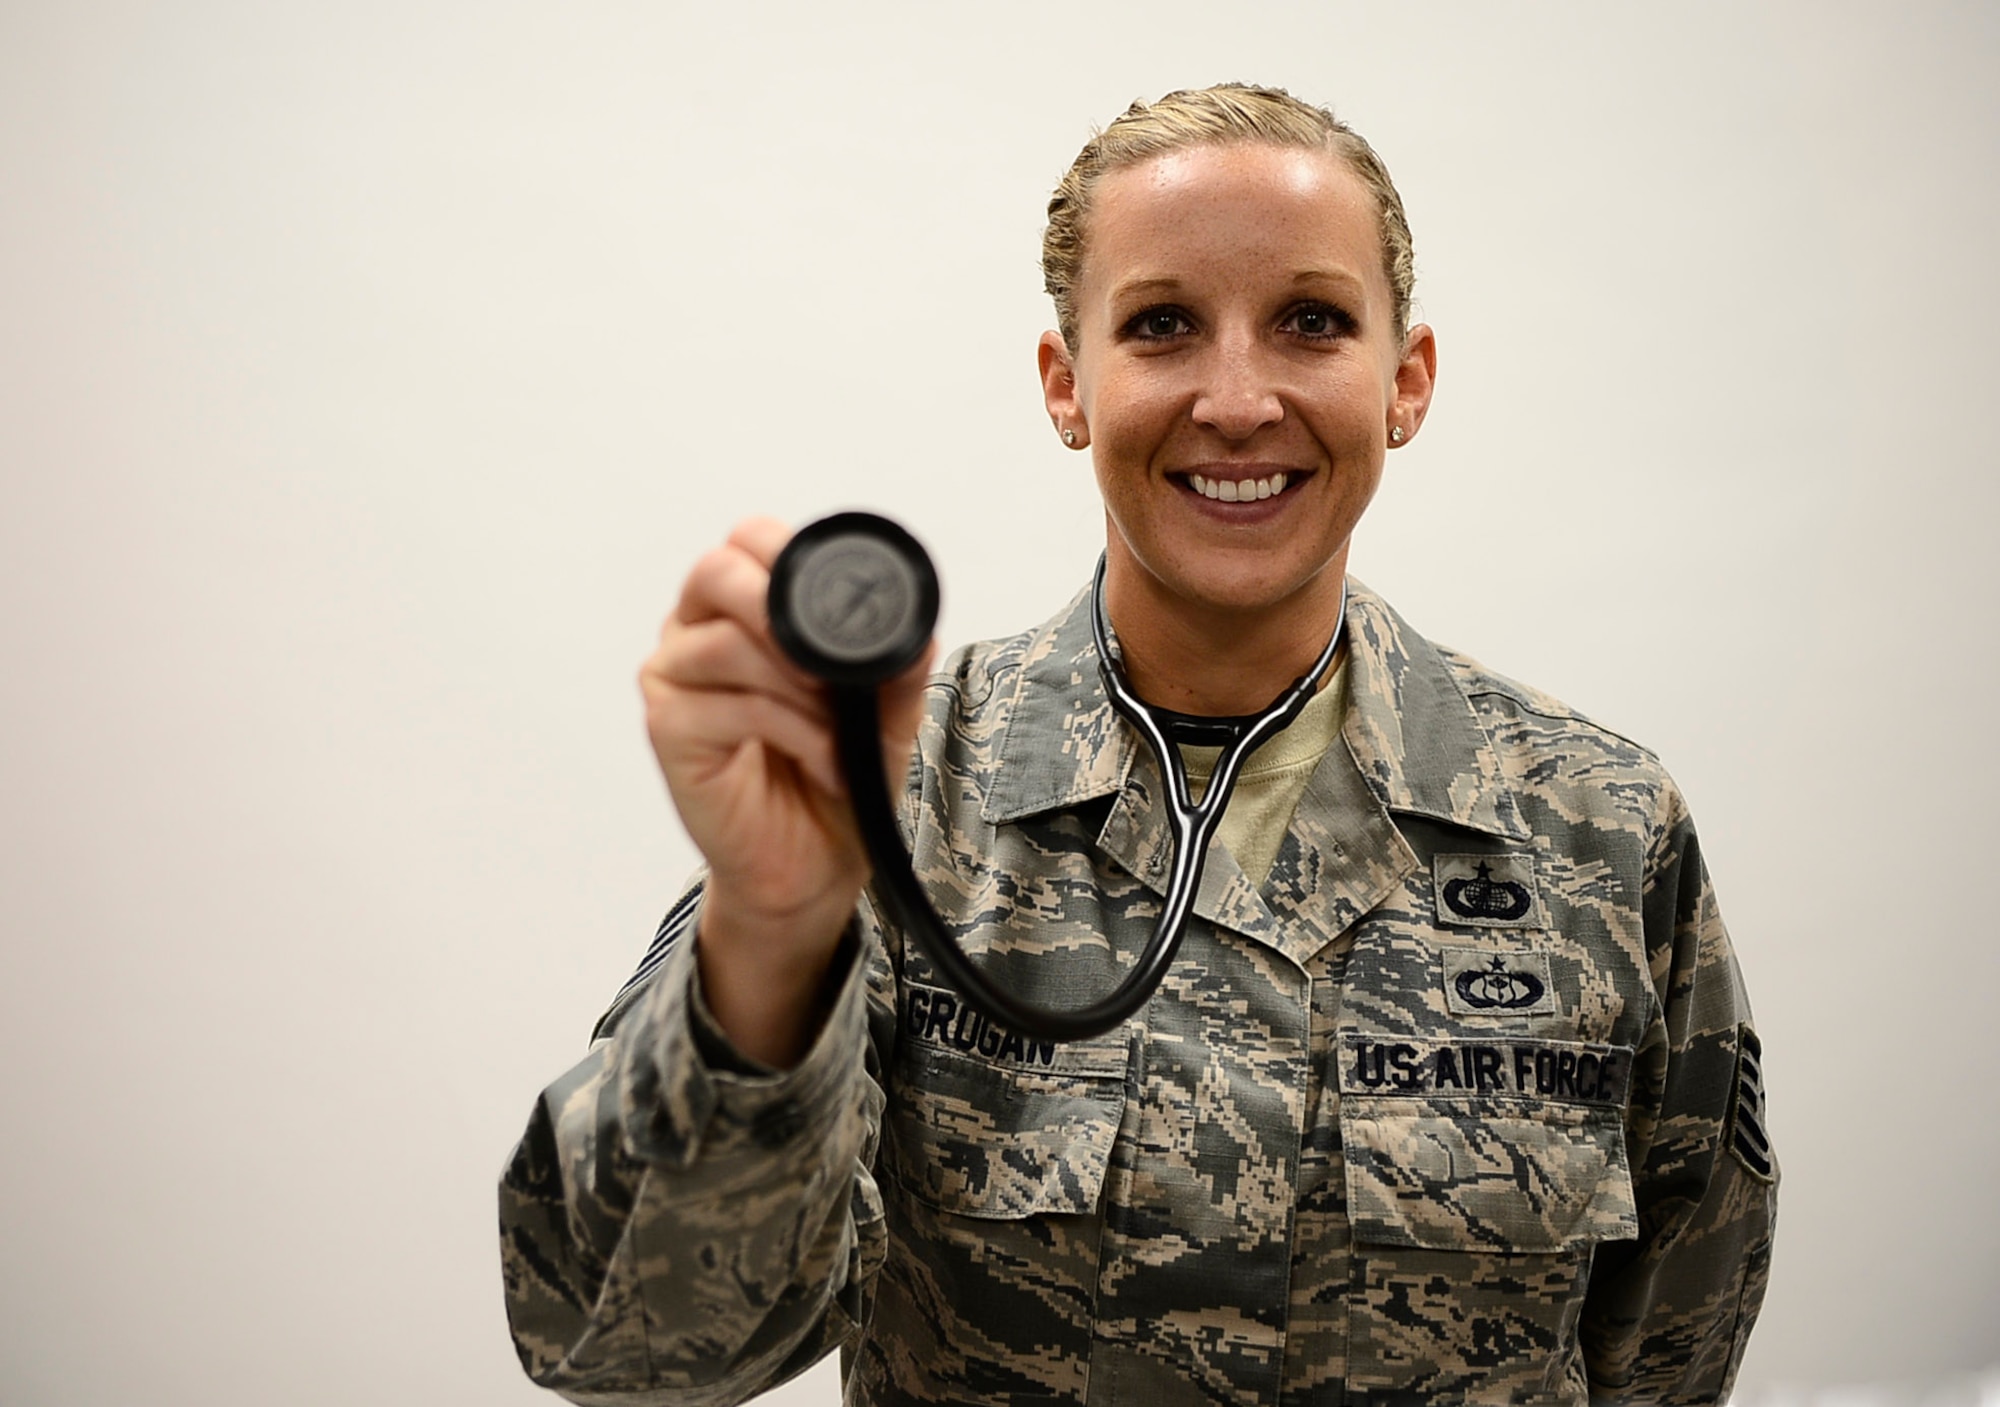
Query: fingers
{"type": "Point", "coordinates": [718, 680]}
{"type": "Point", "coordinates": [730, 582]}
{"type": "Point", "coordinates": [762, 538]}
{"type": "Point", "coordinates": [711, 728]}
{"type": "Point", "coordinates": [710, 688]}
{"type": "Point", "coordinates": [735, 579]}
{"type": "Point", "coordinates": [721, 654]}
{"type": "Point", "coordinates": [719, 634]}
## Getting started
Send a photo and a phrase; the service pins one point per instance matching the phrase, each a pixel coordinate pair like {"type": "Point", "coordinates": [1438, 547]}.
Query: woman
{"type": "Point", "coordinates": [1451, 1092]}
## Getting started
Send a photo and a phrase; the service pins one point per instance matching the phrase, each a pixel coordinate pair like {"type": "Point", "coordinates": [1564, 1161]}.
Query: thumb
{"type": "Point", "coordinates": [902, 708]}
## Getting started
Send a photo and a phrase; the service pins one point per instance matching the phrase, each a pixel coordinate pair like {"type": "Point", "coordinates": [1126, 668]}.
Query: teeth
{"type": "Point", "coordinates": [1237, 490]}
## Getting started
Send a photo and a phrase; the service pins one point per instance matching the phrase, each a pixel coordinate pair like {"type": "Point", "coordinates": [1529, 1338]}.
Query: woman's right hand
{"type": "Point", "coordinates": [745, 742]}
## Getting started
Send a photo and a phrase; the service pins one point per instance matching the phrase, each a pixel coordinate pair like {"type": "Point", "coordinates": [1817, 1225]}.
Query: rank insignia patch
{"type": "Point", "coordinates": [1479, 982]}
{"type": "Point", "coordinates": [1487, 891]}
{"type": "Point", "coordinates": [1747, 1139]}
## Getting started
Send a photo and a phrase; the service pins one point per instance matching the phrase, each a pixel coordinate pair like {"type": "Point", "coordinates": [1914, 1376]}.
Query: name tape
{"type": "Point", "coordinates": [935, 1017]}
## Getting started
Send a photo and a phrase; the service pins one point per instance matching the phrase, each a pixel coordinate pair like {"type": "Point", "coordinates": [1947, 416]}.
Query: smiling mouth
{"type": "Point", "coordinates": [1240, 490]}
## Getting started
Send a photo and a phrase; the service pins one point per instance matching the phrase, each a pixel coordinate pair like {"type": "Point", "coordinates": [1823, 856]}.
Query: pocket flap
{"type": "Point", "coordinates": [1456, 1153]}
{"type": "Point", "coordinates": [990, 1141]}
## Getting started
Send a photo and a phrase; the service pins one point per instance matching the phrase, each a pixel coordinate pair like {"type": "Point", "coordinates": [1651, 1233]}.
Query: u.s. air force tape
{"type": "Point", "coordinates": [1564, 1072]}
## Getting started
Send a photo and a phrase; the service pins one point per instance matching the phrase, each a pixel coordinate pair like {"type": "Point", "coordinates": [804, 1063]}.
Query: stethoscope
{"type": "Point", "coordinates": [853, 600]}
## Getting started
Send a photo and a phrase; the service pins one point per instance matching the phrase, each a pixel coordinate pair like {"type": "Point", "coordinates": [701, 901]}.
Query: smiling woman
{"type": "Point", "coordinates": [1451, 1093]}
{"type": "Point", "coordinates": [1235, 365]}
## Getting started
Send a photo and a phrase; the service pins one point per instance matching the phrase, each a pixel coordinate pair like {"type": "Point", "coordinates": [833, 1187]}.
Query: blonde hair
{"type": "Point", "coordinates": [1225, 114]}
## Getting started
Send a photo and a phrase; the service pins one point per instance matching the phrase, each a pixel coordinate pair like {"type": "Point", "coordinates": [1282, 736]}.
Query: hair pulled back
{"type": "Point", "coordinates": [1223, 115]}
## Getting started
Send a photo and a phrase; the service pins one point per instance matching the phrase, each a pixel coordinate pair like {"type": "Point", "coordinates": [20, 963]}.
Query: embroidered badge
{"type": "Point", "coordinates": [1479, 982]}
{"type": "Point", "coordinates": [1487, 891]}
{"type": "Point", "coordinates": [1565, 1072]}
{"type": "Point", "coordinates": [1747, 1139]}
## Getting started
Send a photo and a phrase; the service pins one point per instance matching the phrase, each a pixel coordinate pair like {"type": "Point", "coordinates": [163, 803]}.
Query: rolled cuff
{"type": "Point", "coordinates": [687, 1095]}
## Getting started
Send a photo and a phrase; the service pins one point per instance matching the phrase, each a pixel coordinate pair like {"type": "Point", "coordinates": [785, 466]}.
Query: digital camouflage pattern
{"type": "Point", "coordinates": [1453, 1109]}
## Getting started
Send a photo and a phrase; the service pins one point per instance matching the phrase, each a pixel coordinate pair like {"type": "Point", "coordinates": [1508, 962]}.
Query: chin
{"type": "Point", "coordinates": [1249, 592]}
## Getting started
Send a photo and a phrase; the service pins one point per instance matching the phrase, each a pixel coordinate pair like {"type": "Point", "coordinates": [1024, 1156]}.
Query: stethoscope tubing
{"type": "Point", "coordinates": [857, 732]}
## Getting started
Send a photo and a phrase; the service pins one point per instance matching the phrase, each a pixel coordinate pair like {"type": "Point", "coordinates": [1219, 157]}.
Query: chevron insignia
{"type": "Point", "coordinates": [1747, 1139]}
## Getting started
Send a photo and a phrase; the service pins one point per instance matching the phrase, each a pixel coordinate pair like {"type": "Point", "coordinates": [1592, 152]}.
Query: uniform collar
{"type": "Point", "coordinates": [1412, 733]}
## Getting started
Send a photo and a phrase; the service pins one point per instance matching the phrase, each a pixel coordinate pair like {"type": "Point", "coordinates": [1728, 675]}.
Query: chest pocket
{"type": "Point", "coordinates": [1486, 1145]}
{"type": "Point", "coordinates": [1023, 1130]}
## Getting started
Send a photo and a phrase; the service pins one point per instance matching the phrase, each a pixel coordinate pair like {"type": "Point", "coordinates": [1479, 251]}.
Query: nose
{"type": "Point", "coordinates": [1239, 392]}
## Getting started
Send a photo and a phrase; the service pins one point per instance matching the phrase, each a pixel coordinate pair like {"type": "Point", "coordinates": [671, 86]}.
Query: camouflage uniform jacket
{"type": "Point", "coordinates": [1462, 1105]}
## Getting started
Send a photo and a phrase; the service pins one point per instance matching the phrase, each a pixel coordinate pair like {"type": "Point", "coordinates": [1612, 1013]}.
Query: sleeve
{"type": "Point", "coordinates": [1667, 1316]}
{"type": "Point", "coordinates": [681, 1226]}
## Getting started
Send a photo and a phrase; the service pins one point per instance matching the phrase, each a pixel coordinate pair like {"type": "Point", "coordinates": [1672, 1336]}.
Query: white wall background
{"type": "Point", "coordinates": [370, 372]}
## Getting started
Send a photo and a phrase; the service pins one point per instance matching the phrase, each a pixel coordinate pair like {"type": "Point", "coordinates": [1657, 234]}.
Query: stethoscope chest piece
{"type": "Point", "coordinates": [853, 599]}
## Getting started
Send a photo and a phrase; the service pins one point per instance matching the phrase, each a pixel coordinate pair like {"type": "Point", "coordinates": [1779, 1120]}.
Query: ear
{"type": "Point", "coordinates": [1416, 376]}
{"type": "Point", "coordinates": [1059, 389]}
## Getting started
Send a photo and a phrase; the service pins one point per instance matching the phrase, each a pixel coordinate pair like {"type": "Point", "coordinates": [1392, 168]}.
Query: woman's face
{"type": "Point", "coordinates": [1237, 375]}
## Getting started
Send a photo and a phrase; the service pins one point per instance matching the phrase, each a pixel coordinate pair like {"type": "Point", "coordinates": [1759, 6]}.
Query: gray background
{"type": "Point", "coordinates": [370, 373]}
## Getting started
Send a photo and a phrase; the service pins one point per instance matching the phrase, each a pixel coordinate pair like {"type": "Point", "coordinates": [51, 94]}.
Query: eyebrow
{"type": "Point", "coordinates": [1140, 286]}
{"type": "Point", "coordinates": [1340, 276]}
{"type": "Point", "coordinates": [1167, 284]}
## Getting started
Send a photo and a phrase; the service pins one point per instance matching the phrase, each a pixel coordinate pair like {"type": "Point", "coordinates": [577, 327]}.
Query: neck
{"type": "Point", "coordinates": [1213, 660]}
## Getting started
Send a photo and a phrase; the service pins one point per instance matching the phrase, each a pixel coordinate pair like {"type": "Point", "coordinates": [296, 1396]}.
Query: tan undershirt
{"type": "Point", "coordinates": [1273, 779]}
